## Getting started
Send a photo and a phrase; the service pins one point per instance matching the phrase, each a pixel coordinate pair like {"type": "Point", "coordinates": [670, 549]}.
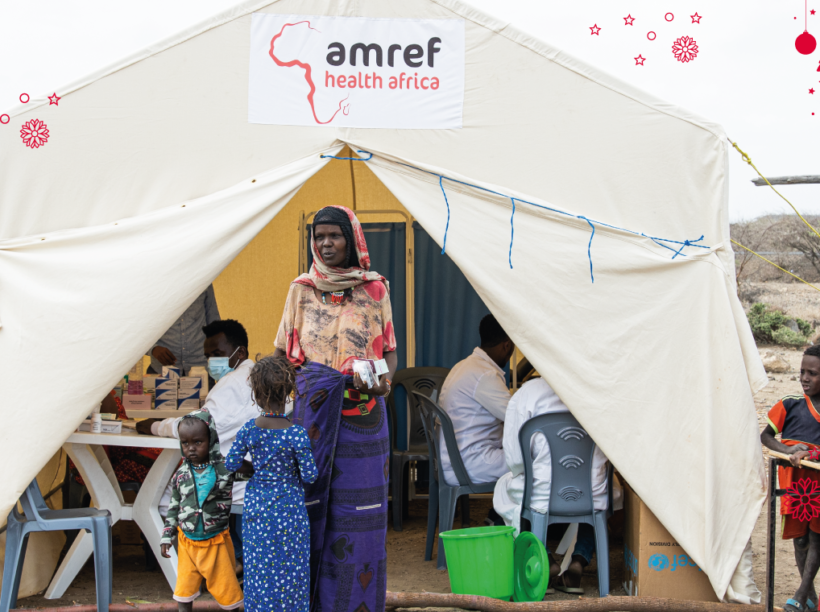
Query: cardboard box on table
{"type": "Point", "coordinates": [656, 565]}
{"type": "Point", "coordinates": [189, 390]}
{"type": "Point", "coordinates": [136, 402]}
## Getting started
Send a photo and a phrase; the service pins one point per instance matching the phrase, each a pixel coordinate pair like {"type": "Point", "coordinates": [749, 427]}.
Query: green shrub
{"type": "Point", "coordinates": [786, 337]}
{"type": "Point", "coordinates": [770, 326]}
{"type": "Point", "coordinates": [805, 327]}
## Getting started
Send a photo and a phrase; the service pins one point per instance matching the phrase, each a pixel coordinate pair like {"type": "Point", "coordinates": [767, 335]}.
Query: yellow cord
{"type": "Point", "coordinates": [774, 264]}
{"type": "Point", "coordinates": [748, 160]}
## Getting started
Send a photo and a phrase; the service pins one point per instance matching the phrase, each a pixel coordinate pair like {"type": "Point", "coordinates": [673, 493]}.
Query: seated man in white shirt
{"type": "Point", "coordinates": [230, 403]}
{"type": "Point", "coordinates": [475, 396]}
{"type": "Point", "coordinates": [535, 398]}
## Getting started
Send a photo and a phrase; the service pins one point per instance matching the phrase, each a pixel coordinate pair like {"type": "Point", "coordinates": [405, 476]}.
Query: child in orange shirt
{"type": "Point", "coordinates": [797, 421]}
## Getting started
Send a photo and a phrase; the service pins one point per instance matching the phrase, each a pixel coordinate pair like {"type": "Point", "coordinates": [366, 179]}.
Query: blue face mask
{"type": "Point", "coordinates": [219, 366]}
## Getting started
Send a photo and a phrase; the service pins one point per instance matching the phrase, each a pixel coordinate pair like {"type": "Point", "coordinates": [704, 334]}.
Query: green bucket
{"type": "Point", "coordinates": [480, 561]}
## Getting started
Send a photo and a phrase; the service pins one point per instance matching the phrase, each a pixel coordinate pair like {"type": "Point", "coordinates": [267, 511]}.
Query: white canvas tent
{"type": "Point", "coordinates": [154, 180]}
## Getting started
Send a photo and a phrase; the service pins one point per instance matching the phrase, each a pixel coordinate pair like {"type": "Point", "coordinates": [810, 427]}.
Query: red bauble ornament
{"type": "Point", "coordinates": [805, 43]}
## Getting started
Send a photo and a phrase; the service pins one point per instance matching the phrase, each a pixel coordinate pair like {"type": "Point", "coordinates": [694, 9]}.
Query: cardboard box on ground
{"type": "Point", "coordinates": [656, 565]}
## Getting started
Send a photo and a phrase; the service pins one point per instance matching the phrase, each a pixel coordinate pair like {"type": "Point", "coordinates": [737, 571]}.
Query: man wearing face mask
{"type": "Point", "coordinates": [230, 403]}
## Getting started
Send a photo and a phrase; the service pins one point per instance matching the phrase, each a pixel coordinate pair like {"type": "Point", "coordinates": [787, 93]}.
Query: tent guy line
{"type": "Point", "coordinates": [591, 222]}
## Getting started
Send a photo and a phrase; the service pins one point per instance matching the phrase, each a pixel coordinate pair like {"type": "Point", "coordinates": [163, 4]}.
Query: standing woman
{"type": "Point", "coordinates": [337, 313]}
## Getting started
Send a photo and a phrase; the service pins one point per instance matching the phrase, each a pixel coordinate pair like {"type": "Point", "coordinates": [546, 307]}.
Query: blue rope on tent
{"type": "Point", "coordinates": [512, 230]}
{"type": "Point", "coordinates": [686, 243]}
{"type": "Point", "coordinates": [350, 158]}
{"type": "Point", "coordinates": [589, 247]}
{"type": "Point", "coordinates": [664, 242]}
{"type": "Point", "coordinates": [447, 227]}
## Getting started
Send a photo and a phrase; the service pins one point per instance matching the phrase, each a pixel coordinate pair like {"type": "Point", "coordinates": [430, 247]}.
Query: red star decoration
{"type": "Point", "coordinates": [696, 18]}
{"type": "Point", "coordinates": [629, 19]}
{"type": "Point", "coordinates": [595, 29]}
{"type": "Point", "coordinates": [811, 91]}
{"type": "Point", "coordinates": [55, 100]}
{"type": "Point", "coordinates": [639, 60]}
{"type": "Point", "coordinates": [812, 11]}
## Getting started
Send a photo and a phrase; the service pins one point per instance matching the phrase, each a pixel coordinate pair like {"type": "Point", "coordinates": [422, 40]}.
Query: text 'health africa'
{"type": "Point", "coordinates": [412, 55]}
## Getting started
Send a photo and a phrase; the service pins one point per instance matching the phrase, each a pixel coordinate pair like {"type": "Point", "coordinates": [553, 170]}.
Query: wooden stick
{"type": "Point", "coordinates": [603, 604]}
{"type": "Point", "coordinates": [809, 464]}
{"type": "Point", "coordinates": [788, 180]}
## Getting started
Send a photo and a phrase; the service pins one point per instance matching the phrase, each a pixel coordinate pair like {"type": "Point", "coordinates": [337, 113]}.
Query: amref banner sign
{"type": "Point", "coordinates": [356, 72]}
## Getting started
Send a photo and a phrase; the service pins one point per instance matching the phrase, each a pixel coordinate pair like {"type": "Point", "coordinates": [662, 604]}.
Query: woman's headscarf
{"type": "Point", "coordinates": [329, 278]}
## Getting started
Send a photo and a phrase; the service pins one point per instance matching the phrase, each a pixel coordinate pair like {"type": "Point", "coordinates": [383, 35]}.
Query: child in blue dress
{"type": "Point", "coordinates": [275, 527]}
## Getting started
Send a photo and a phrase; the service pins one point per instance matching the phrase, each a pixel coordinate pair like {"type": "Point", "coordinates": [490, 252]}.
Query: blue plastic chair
{"type": "Point", "coordinates": [425, 380]}
{"type": "Point", "coordinates": [444, 497]}
{"type": "Point", "coordinates": [39, 517]}
{"type": "Point", "coordinates": [571, 449]}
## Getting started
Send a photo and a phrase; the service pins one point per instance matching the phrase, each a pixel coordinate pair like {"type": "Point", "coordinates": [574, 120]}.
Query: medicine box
{"type": "Point", "coordinates": [149, 382]}
{"type": "Point", "coordinates": [136, 402]}
{"type": "Point", "coordinates": [166, 403]}
{"type": "Point", "coordinates": [162, 383]}
{"type": "Point", "coordinates": [113, 427]}
{"type": "Point", "coordinates": [201, 373]}
{"type": "Point", "coordinates": [189, 397]}
{"type": "Point", "coordinates": [190, 403]}
{"type": "Point", "coordinates": [190, 383]}
{"type": "Point", "coordinates": [171, 372]}
{"type": "Point", "coordinates": [166, 394]}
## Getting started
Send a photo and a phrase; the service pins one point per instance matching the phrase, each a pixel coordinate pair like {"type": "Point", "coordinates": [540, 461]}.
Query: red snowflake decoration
{"type": "Point", "coordinates": [34, 133]}
{"type": "Point", "coordinates": [685, 49]}
{"type": "Point", "coordinates": [803, 502]}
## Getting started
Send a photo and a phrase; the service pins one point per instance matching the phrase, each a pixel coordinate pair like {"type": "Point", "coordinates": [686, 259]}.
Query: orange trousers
{"type": "Point", "coordinates": [213, 560]}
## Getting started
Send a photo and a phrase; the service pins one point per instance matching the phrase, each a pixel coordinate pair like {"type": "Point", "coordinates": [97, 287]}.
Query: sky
{"type": "Point", "coordinates": [747, 74]}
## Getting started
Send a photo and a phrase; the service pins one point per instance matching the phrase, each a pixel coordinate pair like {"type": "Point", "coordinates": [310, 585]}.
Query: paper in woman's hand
{"type": "Point", "coordinates": [364, 368]}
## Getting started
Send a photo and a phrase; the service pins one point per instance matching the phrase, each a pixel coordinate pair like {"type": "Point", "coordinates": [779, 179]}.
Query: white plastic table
{"type": "Point", "coordinates": [85, 450]}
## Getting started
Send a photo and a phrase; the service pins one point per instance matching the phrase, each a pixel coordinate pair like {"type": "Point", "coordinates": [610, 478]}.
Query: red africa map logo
{"type": "Point", "coordinates": [344, 108]}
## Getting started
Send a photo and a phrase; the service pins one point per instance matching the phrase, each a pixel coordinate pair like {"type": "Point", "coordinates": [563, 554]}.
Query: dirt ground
{"type": "Point", "coordinates": [407, 571]}
{"type": "Point", "coordinates": [406, 568]}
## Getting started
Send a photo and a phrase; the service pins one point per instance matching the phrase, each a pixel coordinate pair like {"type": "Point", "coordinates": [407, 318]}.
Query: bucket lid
{"type": "Point", "coordinates": [532, 569]}
{"type": "Point", "coordinates": [478, 532]}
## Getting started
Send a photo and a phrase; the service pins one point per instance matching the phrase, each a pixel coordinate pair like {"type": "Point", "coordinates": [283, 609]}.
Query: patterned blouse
{"type": "Point", "coordinates": [334, 335]}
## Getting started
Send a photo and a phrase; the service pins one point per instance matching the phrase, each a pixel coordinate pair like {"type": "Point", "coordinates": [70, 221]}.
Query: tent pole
{"type": "Point", "coordinates": [410, 280]}
{"type": "Point", "coordinates": [789, 180]}
{"type": "Point", "coordinates": [771, 530]}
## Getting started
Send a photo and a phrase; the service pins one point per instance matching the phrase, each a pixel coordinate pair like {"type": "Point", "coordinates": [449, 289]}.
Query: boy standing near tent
{"type": "Point", "coordinates": [199, 510]}
{"type": "Point", "coordinates": [797, 421]}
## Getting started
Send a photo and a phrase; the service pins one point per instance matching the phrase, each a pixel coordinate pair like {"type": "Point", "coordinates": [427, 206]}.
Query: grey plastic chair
{"type": "Point", "coordinates": [427, 381]}
{"type": "Point", "coordinates": [39, 517]}
{"type": "Point", "coordinates": [444, 497]}
{"type": "Point", "coordinates": [571, 449]}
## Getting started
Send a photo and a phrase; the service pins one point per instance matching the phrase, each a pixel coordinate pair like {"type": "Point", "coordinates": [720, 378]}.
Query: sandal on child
{"type": "Point", "coordinates": [811, 605]}
{"type": "Point", "coordinates": [792, 605]}
{"type": "Point", "coordinates": [579, 590]}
